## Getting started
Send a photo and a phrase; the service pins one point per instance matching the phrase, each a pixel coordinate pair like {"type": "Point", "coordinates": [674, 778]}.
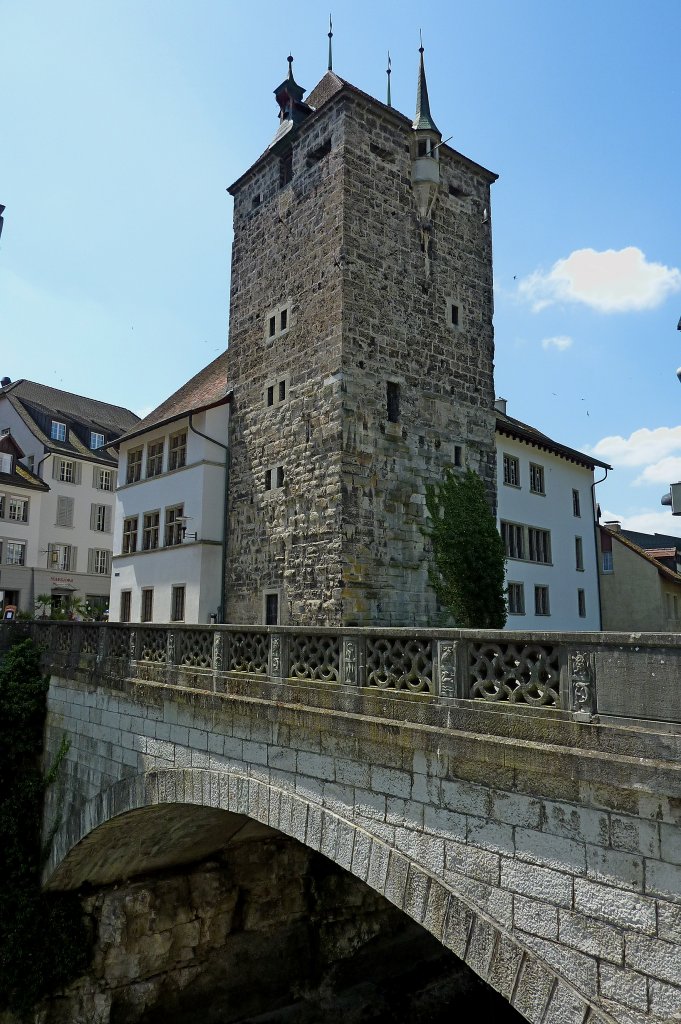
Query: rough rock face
{"type": "Point", "coordinates": [267, 932]}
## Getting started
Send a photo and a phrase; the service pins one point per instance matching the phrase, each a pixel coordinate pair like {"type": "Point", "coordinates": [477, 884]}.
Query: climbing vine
{"type": "Point", "coordinates": [43, 938]}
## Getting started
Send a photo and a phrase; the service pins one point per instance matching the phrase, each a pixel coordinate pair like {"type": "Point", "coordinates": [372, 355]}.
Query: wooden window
{"type": "Point", "coordinates": [99, 561]}
{"type": "Point", "coordinates": [174, 527]}
{"type": "Point", "coordinates": [134, 467]}
{"type": "Point", "coordinates": [126, 596]}
{"type": "Point", "coordinates": [65, 508]}
{"type": "Point", "coordinates": [17, 510]}
{"type": "Point", "coordinates": [581, 604]}
{"type": "Point", "coordinates": [61, 557]}
{"type": "Point", "coordinates": [66, 470]}
{"type": "Point", "coordinates": [154, 458]}
{"type": "Point", "coordinates": [511, 471]}
{"type": "Point", "coordinates": [541, 601]}
{"type": "Point", "coordinates": [58, 431]}
{"type": "Point", "coordinates": [102, 479]}
{"type": "Point", "coordinates": [100, 518]}
{"type": "Point", "coordinates": [96, 440]}
{"type": "Point", "coordinates": [177, 453]}
{"type": "Point", "coordinates": [516, 599]}
{"type": "Point", "coordinates": [513, 536]}
{"type": "Point", "coordinates": [536, 479]}
{"type": "Point", "coordinates": [150, 530]}
{"type": "Point", "coordinates": [579, 554]}
{"type": "Point", "coordinates": [130, 535]}
{"type": "Point", "coordinates": [607, 562]}
{"type": "Point", "coordinates": [15, 553]}
{"type": "Point", "coordinates": [147, 604]}
{"type": "Point", "coordinates": [539, 544]}
{"type": "Point", "coordinates": [177, 604]}
{"type": "Point", "coordinates": [393, 401]}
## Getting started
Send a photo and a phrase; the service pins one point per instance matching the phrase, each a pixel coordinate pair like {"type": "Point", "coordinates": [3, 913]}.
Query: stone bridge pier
{"type": "Point", "coordinates": [537, 841]}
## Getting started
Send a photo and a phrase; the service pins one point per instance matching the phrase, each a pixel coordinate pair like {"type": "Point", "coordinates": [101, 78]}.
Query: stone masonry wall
{"type": "Point", "coordinates": [397, 327]}
{"type": "Point", "coordinates": [544, 853]}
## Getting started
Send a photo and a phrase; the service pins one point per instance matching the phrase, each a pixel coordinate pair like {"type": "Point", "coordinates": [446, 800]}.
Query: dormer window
{"type": "Point", "coordinates": [58, 431]}
{"type": "Point", "coordinates": [96, 440]}
{"type": "Point", "coordinates": [5, 463]}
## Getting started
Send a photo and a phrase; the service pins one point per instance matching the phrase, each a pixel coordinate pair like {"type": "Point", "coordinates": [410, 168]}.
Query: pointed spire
{"type": "Point", "coordinates": [330, 33]}
{"type": "Point", "coordinates": [423, 118]}
{"type": "Point", "coordinates": [290, 68]}
{"type": "Point", "coordinates": [389, 73]}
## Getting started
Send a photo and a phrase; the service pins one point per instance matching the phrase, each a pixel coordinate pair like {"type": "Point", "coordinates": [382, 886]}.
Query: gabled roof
{"type": "Point", "coordinates": [512, 427]}
{"type": "Point", "coordinates": [652, 540]}
{"type": "Point", "coordinates": [664, 571]}
{"type": "Point", "coordinates": [20, 477]}
{"type": "Point", "coordinates": [38, 404]}
{"type": "Point", "coordinates": [208, 388]}
{"type": "Point", "coordinates": [331, 85]}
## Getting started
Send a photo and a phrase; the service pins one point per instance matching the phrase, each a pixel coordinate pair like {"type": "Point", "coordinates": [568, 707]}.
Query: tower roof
{"type": "Point", "coordinates": [423, 120]}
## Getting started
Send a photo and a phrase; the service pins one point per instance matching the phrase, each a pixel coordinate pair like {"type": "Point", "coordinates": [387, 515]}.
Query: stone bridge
{"type": "Point", "coordinates": [516, 795]}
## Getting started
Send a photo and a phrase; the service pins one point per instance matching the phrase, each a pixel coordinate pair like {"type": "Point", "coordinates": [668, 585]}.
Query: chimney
{"type": "Point", "coordinates": [500, 405]}
{"type": "Point", "coordinates": [613, 525]}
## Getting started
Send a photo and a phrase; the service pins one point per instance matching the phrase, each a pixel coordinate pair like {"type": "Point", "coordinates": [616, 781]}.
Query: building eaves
{"type": "Point", "coordinates": [114, 419]}
{"type": "Point", "coordinates": [206, 389]}
{"type": "Point", "coordinates": [511, 427]}
{"type": "Point", "coordinates": [346, 88]}
{"type": "Point", "coordinates": [668, 574]}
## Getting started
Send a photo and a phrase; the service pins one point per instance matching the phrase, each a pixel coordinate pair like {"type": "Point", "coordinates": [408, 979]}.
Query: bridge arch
{"type": "Point", "coordinates": [189, 813]}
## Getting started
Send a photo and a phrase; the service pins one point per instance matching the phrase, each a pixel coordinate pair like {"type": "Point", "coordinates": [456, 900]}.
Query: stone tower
{"type": "Point", "coordinates": [360, 354]}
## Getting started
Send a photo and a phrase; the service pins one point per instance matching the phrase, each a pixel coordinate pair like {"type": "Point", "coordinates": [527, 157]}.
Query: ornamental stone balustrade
{"type": "Point", "coordinates": [517, 795]}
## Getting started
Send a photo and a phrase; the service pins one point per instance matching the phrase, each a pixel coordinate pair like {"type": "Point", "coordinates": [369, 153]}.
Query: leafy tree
{"type": "Point", "coordinates": [467, 573]}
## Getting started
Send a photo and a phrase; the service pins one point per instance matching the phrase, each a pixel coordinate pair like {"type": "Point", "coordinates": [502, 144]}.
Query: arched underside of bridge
{"type": "Point", "coordinates": [166, 819]}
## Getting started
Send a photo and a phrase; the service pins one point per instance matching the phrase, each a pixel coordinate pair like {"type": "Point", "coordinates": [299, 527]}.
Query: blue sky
{"type": "Point", "coordinates": [123, 123]}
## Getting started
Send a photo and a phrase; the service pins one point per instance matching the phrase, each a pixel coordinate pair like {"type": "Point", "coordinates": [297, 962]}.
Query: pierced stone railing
{"type": "Point", "coordinates": [586, 675]}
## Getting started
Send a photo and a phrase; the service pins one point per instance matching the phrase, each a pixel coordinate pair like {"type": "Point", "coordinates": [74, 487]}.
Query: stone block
{"type": "Point", "coordinates": [319, 766]}
{"type": "Point", "coordinates": [378, 866]}
{"type": "Point", "coordinates": [533, 990]}
{"type": "Point", "coordinates": [198, 738]}
{"type": "Point", "coordinates": [635, 835]}
{"type": "Point", "coordinates": [445, 823]}
{"type": "Point", "coordinates": [416, 895]}
{"type": "Point", "coordinates": [457, 926]}
{"type": "Point", "coordinates": [536, 882]}
{"type": "Point", "coordinates": [548, 850]}
{"type": "Point", "coordinates": [616, 906]}
{"type": "Point", "coordinates": [352, 773]}
{"type": "Point", "coordinates": [535, 917]}
{"type": "Point", "coordinates": [516, 809]}
{"type": "Point", "coordinates": [490, 835]}
{"type": "Point", "coordinates": [425, 850]}
{"type": "Point", "coordinates": [565, 1007]}
{"type": "Point", "coordinates": [624, 986]}
{"type": "Point", "coordinates": [575, 968]}
{"type": "Point", "coordinates": [481, 946]}
{"type": "Point", "coordinates": [361, 854]}
{"type": "Point", "coordinates": [396, 878]}
{"type": "Point", "coordinates": [614, 867]}
{"type": "Point", "coordinates": [406, 813]}
{"type": "Point", "coordinates": [505, 965]}
{"type": "Point", "coordinates": [665, 1000]}
{"type": "Point", "coordinates": [369, 804]}
{"type": "Point", "coordinates": [589, 936]}
{"type": "Point", "coordinates": [464, 860]}
{"type": "Point", "coordinates": [391, 782]}
{"type": "Point", "coordinates": [425, 789]}
{"type": "Point", "coordinates": [670, 836]}
{"type": "Point", "coordinates": [656, 957]}
{"type": "Point", "coordinates": [466, 798]}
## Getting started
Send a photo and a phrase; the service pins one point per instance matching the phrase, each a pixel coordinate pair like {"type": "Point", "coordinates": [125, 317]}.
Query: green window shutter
{"type": "Point", "coordinates": [77, 472]}
{"type": "Point", "coordinates": [73, 561]}
{"type": "Point", "coordinates": [56, 462]}
{"type": "Point", "coordinates": [107, 518]}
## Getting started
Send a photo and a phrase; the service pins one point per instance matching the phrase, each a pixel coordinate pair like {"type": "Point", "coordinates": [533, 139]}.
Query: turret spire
{"type": "Point", "coordinates": [388, 73]}
{"type": "Point", "coordinates": [330, 34]}
{"type": "Point", "coordinates": [423, 119]}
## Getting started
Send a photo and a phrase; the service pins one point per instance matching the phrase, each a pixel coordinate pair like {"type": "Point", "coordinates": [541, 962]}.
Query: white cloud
{"type": "Point", "coordinates": [560, 342]}
{"type": "Point", "coordinates": [642, 448]}
{"type": "Point", "coordinates": [614, 281]}
{"type": "Point", "coordinates": [666, 471]}
{"type": "Point", "coordinates": [647, 521]}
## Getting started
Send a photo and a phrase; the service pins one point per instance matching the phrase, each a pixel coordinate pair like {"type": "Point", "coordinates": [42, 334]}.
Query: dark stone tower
{"type": "Point", "coordinates": [361, 356]}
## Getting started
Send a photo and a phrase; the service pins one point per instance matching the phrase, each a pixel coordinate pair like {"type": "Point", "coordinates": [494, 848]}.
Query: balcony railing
{"type": "Point", "coordinates": [588, 674]}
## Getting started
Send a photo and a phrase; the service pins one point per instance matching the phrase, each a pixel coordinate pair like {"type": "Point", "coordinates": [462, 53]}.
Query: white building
{"type": "Point", "coordinates": [21, 497]}
{"type": "Point", "coordinates": [68, 445]}
{"type": "Point", "coordinates": [547, 515]}
{"type": "Point", "coordinates": [169, 524]}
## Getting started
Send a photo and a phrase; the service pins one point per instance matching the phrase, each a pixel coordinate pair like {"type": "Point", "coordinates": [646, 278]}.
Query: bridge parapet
{"type": "Point", "coordinates": [614, 676]}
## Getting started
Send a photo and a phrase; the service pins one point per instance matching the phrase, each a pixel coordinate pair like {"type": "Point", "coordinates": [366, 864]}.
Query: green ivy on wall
{"type": "Point", "coordinates": [43, 939]}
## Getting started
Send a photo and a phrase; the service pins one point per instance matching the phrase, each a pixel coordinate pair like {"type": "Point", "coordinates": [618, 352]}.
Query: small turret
{"type": "Point", "coordinates": [425, 172]}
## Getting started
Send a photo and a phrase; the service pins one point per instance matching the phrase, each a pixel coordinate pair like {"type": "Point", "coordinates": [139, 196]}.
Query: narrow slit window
{"type": "Point", "coordinates": [268, 479]}
{"type": "Point", "coordinates": [283, 319]}
{"type": "Point", "coordinates": [273, 326]}
{"type": "Point", "coordinates": [393, 401]}
{"type": "Point", "coordinates": [458, 455]}
{"type": "Point", "coordinates": [282, 390]}
{"type": "Point", "coordinates": [270, 395]}
{"type": "Point", "coordinates": [280, 476]}
{"type": "Point", "coordinates": [454, 313]}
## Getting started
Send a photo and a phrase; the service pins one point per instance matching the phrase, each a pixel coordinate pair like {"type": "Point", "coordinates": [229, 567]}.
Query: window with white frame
{"type": "Point", "coordinates": [96, 440]}
{"type": "Point", "coordinates": [134, 466]}
{"type": "Point", "coordinates": [100, 518]}
{"type": "Point", "coordinates": [5, 463]}
{"type": "Point", "coordinates": [17, 509]}
{"type": "Point", "coordinates": [58, 431]}
{"type": "Point", "coordinates": [541, 600]}
{"type": "Point", "coordinates": [130, 535]}
{"type": "Point", "coordinates": [511, 471]}
{"type": "Point", "coordinates": [99, 561]}
{"type": "Point", "coordinates": [66, 470]}
{"type": "Point", "coordinates": [174, 525]}
{"type": "Point", "coordinates": [154, 458]}
{"type": "Point", "coordinates": [516, 598]}
{"type": "Point", "coordinates": [103, 479]}
{"type": "Point", "coordinates": [539, 544]}
{"type": "Point", "coordinates": [150, 530]}
{"type": "Point", "coordinates": [177, 450]}
{"type": "Point", "coordinates": [537, 479]}
{"type": "Point", "coordinates": [61, 557]}
{"type": "Point", "coordinates": [15, 553]}
{"type": "Point", "coordinates": [607, 562]}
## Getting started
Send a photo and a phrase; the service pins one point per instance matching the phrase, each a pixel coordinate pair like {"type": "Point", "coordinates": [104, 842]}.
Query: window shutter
{"type": "Point", "coordinates": [50, 549]}
{"type": "Point", "coordinates": [107, 518]}
{"type": "Point", "coordinates": [55, 467]}
{"type": "Point", "coordinates": [108, 563]}
{"type": "Point", "coordinates": [93, 517]}
{"type": "Point", "coordinates": [91, 560]}
{"type": "Point", "coordinates": [95, 476]}
{"type": "Point", "coordinates": [72, 559]}
{"type": "Point", "coordinates": [77, 472]}
{"type": "Point", "coordinates": [64, 511]}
